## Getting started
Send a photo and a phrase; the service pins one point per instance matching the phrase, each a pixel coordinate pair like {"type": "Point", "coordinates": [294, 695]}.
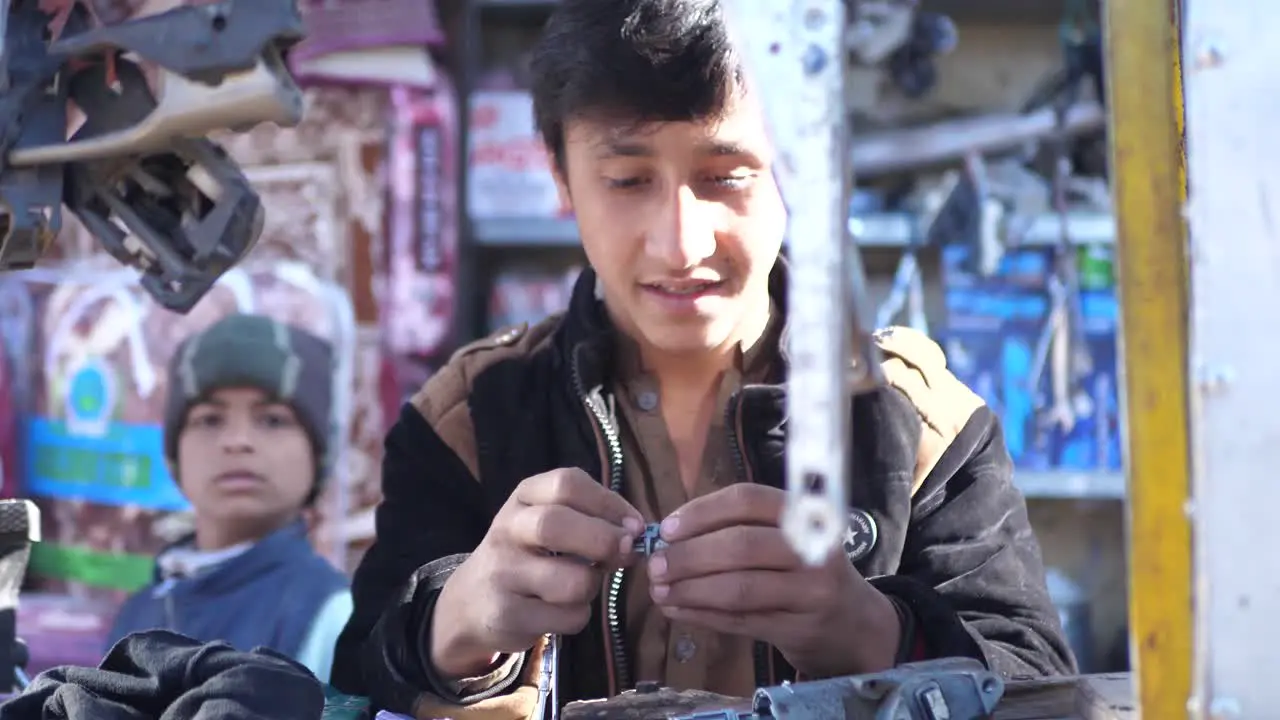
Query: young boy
{"type": "Point", "coordinates": [247, 437]}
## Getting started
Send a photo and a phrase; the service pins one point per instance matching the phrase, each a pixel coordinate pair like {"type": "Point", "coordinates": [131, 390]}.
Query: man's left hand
{"type": "Point", "coordinates": [728, 567]}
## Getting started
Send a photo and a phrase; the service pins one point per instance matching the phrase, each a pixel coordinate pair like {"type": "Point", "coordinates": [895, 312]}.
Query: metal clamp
{"type": "Point", "coordinates": [950, 689]}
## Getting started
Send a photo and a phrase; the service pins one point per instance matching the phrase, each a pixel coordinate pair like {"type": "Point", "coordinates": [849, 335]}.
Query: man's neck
{"type": "Point", "coordinates": [213, 535]}
{"type": "Point", "coordinates": [695, 375]}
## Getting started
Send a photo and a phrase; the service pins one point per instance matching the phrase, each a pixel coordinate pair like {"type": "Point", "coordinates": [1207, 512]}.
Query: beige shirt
{"type": "Point", "coordinates": [679, 655]}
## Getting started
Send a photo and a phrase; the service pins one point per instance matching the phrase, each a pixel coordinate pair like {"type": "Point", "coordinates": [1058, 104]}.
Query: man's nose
{"type": "Point", "coordinates": [684, 232]}
{"type": "Point", "coordinates": [237, 436]}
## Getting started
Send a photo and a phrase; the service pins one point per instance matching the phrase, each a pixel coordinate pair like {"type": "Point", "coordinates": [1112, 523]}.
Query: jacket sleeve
{"type": "Point", "coordinates": [972, 574]}
{"type": "Point", "coordinates": [433, 513]}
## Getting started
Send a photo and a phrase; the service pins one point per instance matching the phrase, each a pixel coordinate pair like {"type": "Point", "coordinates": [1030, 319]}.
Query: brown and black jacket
{"type": "Point", "coordinates": [929, 464]}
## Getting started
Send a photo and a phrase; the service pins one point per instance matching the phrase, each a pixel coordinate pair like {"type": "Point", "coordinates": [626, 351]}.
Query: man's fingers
{"type": "Point", "coordinates": [526, 618]}
{"type": "Point", "coordinates": [554, 580]}
{"type": "Point", "coordinates": [747, 592]}
{"type": "Point", "coordinates": [566, 531]}
{"type": "Point", "coordinates": [738, 504]}
{"type": "Point", "coordinates": [745, 547]}
{"type": "Point", "coordinates": [574, 488]}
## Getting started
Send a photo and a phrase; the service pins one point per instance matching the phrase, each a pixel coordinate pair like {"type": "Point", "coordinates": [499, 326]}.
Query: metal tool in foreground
{"type": "Point", "coordinates": [950, 689]}
{"type": "Point", "coordinates": [139, 172]}
{"type": "Point", "coordinates": [795, 54]}
{"type": "Point", "coordinates": [19, 527]}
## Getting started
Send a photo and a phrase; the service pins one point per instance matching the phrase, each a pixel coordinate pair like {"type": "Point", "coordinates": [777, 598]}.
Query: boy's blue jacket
{"type": "Point", "coordinates": [268, 596]}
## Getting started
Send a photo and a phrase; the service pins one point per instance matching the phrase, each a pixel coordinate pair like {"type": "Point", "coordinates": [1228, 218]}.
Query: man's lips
{"type": "Point", "coordinates": [239, 479]}
{"type": "Point", "coordinates": [683, 288]}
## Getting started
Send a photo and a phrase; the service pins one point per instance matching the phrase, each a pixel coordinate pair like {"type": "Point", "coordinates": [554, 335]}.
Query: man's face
{"type": "Point", "coordinates": [245, 460]}
{"type": "Point", "coordinates": [682, 222]}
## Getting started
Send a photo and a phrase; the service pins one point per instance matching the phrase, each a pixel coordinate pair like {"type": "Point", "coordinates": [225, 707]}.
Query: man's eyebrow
{"type": "Point", "coordinates": [725, 148]}
{"type": "Point", "coordinates": [711, 148]}
{"type": "Point", "coordinates": [622, 148]}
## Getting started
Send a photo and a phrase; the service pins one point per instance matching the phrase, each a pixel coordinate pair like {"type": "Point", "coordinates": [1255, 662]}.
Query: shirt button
{"type": "Point", "coordinates": [686, 648]}
{"type": "Point", "coordinates": [647, 400]}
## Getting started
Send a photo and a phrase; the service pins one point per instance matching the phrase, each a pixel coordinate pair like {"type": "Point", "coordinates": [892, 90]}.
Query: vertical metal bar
{"type": "Point", "coordinates": [794, 50]}
{"type": "Point", "coordinates": [1229, 64]}
{"type": "Point", "coordinates": [1142, 60]}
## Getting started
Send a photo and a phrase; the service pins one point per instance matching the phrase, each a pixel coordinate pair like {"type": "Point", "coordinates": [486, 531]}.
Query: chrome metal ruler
{"type": "Point", "coordinates": [795, 55]}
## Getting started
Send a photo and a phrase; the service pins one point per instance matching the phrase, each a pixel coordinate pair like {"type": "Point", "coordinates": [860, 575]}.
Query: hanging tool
{"type": "Point", "coordinates": [877, 28]}
{"type": "Point", "coordinates": [912, 67]}
{"type": "Point", "coordinates": [1063, 340]}
{"type": "Point", "coordinates": [905, 295]}
{"type": "Point", "coordinates": [990, 240]}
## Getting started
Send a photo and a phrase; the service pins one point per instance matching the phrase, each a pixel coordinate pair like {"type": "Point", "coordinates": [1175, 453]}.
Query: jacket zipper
{"type": "Point", "coordinates": [620, 678]}
{"type": "Point", "coordinates": [762, 654]}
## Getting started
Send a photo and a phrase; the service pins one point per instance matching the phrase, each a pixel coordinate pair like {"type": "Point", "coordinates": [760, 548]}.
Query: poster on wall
{"type": "Point", "coordinates": [420, 299]}
{"type": "Point", "coordinates": [509, 172]}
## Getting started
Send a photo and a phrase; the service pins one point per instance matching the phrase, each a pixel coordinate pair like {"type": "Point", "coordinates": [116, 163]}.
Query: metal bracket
{"type": "Point", "coordinates": [33, 112]}
{"type": "Point", "coordinates": [186, 213]}
{"type": "Point", "coordinates": [950, 689]}
{"type": "Point", "coordinates": [205, 43]}
{"type": "Point", "coordinates": [184, 108]}
{"type": "Point", "coordinates": [19, 527]}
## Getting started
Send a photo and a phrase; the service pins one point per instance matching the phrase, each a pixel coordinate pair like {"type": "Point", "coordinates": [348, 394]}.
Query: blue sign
{"type": "Point", "coordinates": [123, 465]}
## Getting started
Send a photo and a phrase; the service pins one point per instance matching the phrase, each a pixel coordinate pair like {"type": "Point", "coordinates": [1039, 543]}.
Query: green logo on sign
{"type": "Point", "coordinates": [91, 397]}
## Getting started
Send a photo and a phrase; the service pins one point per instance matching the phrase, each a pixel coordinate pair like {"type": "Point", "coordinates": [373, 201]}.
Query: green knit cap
{"type": "Point", "coordinates": [290, 365]}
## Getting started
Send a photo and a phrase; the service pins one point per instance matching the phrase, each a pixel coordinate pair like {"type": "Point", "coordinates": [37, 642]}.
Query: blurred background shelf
{"type": "Point", "coordinates": [885, 230]}
{"type": "Point", "coordinates": [1070, 485]}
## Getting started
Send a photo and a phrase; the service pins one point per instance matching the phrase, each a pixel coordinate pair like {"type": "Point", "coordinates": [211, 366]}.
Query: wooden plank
{"type": "Point", "coordinates": [1145, 130]}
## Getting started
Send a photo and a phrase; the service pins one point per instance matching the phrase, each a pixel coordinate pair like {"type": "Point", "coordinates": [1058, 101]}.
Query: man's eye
{"type": "Point", "coordinates": [625, 183]}
{"type": "Point", "coordinates": [276, 420]}
{"type": "Point", "coordinates": [206, 420]}
{"type": "Point", "coordinates": [733, 182]}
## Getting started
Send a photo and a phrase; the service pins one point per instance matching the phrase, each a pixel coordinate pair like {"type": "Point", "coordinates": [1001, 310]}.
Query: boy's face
{"type": "Point", "coordinates": [682, 222]}
{"type": "Point", "coordinates": [244, 460]}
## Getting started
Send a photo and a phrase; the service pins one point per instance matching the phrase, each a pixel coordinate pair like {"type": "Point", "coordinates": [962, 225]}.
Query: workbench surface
{"type": "Point", "coordinates": [1086, 697]}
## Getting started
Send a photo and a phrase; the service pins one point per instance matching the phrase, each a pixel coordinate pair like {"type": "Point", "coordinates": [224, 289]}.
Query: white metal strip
{"type": "Point", "coordinates": [794, 51]}
{"type": "Point", "coordinates": [1230, 61]}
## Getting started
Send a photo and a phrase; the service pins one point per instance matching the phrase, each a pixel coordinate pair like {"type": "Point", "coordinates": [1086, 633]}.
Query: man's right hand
{"type": "Point", "coordinates": [536, 572]}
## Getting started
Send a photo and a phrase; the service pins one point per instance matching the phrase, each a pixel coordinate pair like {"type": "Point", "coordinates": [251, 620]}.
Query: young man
{"type": "Point", "coordinates": [516, 480]}
{"type": "Point", "coordinates": [246, 433]}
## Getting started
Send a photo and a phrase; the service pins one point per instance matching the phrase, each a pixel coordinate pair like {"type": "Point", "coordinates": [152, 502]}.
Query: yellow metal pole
{"type": "Point", "coordinates": [1148, 168]}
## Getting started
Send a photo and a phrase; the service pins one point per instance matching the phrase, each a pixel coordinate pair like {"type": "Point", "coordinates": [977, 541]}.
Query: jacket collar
{"type": "Point", "coordinates": [280, 547]}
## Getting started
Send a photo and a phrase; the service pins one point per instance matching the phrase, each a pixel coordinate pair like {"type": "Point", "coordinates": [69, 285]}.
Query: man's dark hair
{"type": "Point", "coordinates": [633, 61]}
